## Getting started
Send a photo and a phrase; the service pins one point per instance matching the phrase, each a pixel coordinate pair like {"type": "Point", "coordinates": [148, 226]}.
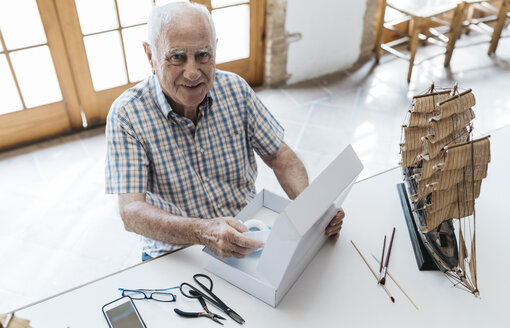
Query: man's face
{"type": "Point", "coordinates": [184, 61]}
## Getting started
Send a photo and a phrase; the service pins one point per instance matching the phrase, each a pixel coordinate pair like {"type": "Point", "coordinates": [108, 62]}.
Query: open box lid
{"type": "Point", "coordinates": [298, 231]}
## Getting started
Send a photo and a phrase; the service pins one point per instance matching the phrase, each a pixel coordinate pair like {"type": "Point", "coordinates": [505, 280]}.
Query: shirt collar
{"type": "Point", "coordinates": [163, 104]}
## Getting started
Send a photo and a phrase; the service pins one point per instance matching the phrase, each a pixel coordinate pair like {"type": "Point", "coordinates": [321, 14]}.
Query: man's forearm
{"type": "Point", "coordinates": [223, 234]}
{"type": "Point", "coordinates": [289, 170]}
{"type": "Point", "coordinates": [145, 219]}
{"type": "Point", "coordinates": [292, 178]}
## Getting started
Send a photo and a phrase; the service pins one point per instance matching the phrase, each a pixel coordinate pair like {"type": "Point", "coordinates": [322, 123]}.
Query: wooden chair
{"type": "Point", "coordinates": [425, 19]}
{"type": "Point", "coordinates": [503, 12]}
{"type": "Point", "coordinates": [477, 15]}
{"type": "Point", "coordinates": [489, 11]}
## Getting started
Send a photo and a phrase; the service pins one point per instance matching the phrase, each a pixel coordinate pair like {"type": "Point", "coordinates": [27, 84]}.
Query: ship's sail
{"type": "Point", "coordinates": [473, 153]}
{"type": "Point", "coordinates": [432, 149]}
{"type": "Point", "coordinates": [444, 169]}
{"type": "Point", "coordinates": [456, 104]}
{"type": "Point", "coordinates": [427, 103]}
{"type": "Point", "coordinates": [446, 204]}
{"type": "Point", "coordinates": [472, 262]}
{"type": "Point", "coordinates": [462, 251]}
{"type": "Point", "coordinates": [445, 127]}
{"type": "Point", "coordinates": [449, 178]}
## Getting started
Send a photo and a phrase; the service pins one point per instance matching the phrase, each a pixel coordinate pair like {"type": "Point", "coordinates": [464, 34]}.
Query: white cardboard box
{"type": "Point", "coordinates": [296, 236]}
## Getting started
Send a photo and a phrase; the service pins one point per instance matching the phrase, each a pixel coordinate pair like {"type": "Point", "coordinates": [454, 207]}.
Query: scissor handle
{"type": "Point", "coordinates": [209, 289]}
{"type": "Point", "coordinates": [196, 293]}
{"type": "Point", "coordinates": [201, 275]}
{"type": "Point", "coordinates": [192, 292]}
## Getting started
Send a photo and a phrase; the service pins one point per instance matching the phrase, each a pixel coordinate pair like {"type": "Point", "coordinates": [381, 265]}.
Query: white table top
{"type": "Point", "coordinates": [336, 289]}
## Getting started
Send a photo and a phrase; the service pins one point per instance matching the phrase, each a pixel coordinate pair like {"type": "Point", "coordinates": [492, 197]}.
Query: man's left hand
{"type": "Point", "coordinates": [333, 228]}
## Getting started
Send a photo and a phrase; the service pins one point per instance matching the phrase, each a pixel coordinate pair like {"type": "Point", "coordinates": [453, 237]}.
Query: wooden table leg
{"type": "Point", "coordinates": [455, 31]}
{"type": "Point", "coordinates": [500, 22]}
{"type": "Point", "coordinates": [379, 29]}
{"type": "Point", "coordinates": [414, 28]}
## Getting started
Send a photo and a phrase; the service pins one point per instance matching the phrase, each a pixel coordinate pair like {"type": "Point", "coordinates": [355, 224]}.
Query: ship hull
{"type": "Point", "coordinates": [440, 243]}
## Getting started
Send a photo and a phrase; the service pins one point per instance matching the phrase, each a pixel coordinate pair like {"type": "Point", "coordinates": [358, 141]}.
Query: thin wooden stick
{"type": "Point", "coordinates": [372, 270]}
{"type": "Point", "coordinates": [398, 285]}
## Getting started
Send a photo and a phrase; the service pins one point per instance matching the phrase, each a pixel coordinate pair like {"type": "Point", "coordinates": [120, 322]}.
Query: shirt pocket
{"type": "Point", "coordinates": [228, 154]}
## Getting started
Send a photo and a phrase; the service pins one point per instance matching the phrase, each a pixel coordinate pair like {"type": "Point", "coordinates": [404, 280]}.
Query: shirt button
{"type": "Point", "coordinates": [201, 150]}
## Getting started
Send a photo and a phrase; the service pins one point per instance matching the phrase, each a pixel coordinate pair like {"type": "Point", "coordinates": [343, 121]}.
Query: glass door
{"type": "Point", "coordinates": [104, 41]}
{"type": "Point", "coordinates": [38, 98]}
{"type": "Point", "coordinates": [240, 32]}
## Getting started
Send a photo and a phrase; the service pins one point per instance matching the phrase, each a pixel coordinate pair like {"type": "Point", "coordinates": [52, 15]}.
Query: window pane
{"type": "Point", "coordinates": [164, 2]}
{"type": "Point", "coordinates": [9, 101]}
{"type": "Point", "coordinates": [21, 24]}
{"type": "Point", "coordinates": [106, 63]}
{"type": "Point", "coordinates": [96, 15]}
{"type": "Point", "coordinates": [233, 43]}
{"type": "Point", "coordinates": [134, 12]}
{"type": "Point", "coordinates": [223, 3]}
{"type": "Point", "coordinates": [138, 65]}
{"type": "Point", "coordinates": [36, 76]}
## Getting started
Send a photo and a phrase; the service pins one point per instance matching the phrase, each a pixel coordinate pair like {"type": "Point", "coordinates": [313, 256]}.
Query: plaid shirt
{"type": "Point", "coordinates": [201, 171]}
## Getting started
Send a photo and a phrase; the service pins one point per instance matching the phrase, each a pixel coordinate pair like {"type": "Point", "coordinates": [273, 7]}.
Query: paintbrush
{"type": "Point", "coordinates": [373, 272]}
{"type": "Point", "coordinates": [398, 285]}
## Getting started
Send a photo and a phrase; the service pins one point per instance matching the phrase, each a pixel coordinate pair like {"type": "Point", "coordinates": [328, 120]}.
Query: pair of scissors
{"type": "Point", "coordinates": [191, 291]}
{"type": "Point", "coordinates": [207, 313]}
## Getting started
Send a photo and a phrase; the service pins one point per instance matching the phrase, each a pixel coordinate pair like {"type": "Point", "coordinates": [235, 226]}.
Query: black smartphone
{"type": "Point", "coordinates": [122, 313]}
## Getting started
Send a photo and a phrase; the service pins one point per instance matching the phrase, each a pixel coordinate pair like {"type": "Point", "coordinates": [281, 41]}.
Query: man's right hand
{"type": "Point", "coordinates": [224, 236]}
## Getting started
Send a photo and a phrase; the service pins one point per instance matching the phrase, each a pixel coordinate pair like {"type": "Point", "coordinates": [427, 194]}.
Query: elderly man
{"type": "Point", "coordinates": [181, 143]}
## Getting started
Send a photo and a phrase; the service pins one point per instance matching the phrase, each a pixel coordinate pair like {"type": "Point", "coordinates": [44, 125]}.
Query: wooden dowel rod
{"type": "Point", "coordinates": [371, 270]}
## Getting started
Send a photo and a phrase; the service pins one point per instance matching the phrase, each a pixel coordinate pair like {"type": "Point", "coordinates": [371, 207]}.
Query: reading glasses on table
{"type": "Point", "coordinates": [159, 295]}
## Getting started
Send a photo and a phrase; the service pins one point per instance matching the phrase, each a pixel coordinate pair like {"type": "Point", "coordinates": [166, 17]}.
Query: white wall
{"type": "Point", "coordinates": [331, 36]}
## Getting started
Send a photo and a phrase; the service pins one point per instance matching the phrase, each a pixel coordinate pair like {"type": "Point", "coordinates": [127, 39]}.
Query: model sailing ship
{"type": "Point", "coordinates": [443, 169]}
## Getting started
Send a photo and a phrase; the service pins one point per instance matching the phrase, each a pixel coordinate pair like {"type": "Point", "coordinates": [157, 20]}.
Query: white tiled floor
{"type": "Point", "coordinates": [58, 229]}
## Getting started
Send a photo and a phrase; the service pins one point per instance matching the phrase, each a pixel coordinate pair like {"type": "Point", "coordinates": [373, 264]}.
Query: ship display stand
{"type": "Point", "coordinates": [423, 259]}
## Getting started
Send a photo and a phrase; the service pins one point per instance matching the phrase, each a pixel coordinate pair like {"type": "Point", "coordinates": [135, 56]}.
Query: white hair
{"type": "Point", "coordinates": [162, 16]}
